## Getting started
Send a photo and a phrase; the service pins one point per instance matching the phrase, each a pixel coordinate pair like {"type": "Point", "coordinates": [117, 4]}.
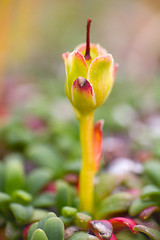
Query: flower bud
{"type": "Point", "coordinates": [90, 74]}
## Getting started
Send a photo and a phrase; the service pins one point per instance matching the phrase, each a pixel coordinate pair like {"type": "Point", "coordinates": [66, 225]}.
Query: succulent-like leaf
{"type": "Point", "coordinates": [54, 229]}
{"type": "Point", "coordinates": [69, 211]}
{"type": "Point", "coordinates": [22, 213]}
{"type": "Point", "coordinates": [38, 214]}
{"type": "Point", "coordinates": [65, 195]}
{"type": "Point", "coordinates": [150, 192]}
{"type": "Point", "coordinates": [147, 212]}
{"type": "Point", "coordinates": [21, 196]}
{"type": "Point", "coordinates": [82, 220]}
{"type": "Point", "coordinates": [114, 204]}
{"type": "Point", "coordinates": [120, 223]}
{"type": "Point", "coordinates": [32, 228]}
{"type": "Point", "coordinates": [152, 169]}
{"type": "Point", "coordinates": [105, 185]}
{"type": "Point", "coordinates": [14, 174]}
{"type": "Point", "coordinates": [82, 236]}
{"type": "Point", "coordinates": [4, 198]}
{"type": "Point", "coordinates": [128, 235]}
{"type": "Point", "coordinates": [44, 200]}
{"type": "Point", "coordinates": [44, 155]}
{"type": "Point", "coordinates": [113, 237]}
{"type": "Point", "coordinates": [12, 232]}
{"type": "Point", "coordinates": [39, 234]}
{"type": "Point", "coordinates": [44, 219]}
{"type": "Point", "coordinates": [138, 205]}
{"type": "Point", "coordinates": [37, 179]}
{"type": "Point", "coordinates": [151, 233]}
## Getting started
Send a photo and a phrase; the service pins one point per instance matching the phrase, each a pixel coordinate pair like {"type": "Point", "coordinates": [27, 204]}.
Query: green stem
{"type": "Point", "coordinates": [88, 163]}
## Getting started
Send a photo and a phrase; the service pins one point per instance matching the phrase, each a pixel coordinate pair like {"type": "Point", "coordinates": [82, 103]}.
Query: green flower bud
{"type": "Point", "coordinates": [88, 80]}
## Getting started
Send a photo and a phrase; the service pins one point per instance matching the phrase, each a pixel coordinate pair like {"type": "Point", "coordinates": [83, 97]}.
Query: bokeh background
{"type": "Point", "coordinates": [34, 34]}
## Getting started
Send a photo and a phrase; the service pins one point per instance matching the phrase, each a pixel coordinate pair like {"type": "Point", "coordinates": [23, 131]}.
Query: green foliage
{"type": "Point", "coordinates": [138, 205]}
{"type": "Point", "coordinates": [127, 235]}
{"type": "Point", "coordinates": [14, 174]}
{"type": "Point", "coordinates": [49, 227]}
{"type": "Point", "coordinates": [152, 170]}
{"type": "Point", "coordinates": [82, 235]}
{"type": "Point", "coordinates": [37, 179]}
{"type": "Point", "coordinates": [65, 195]}
{"type": "Point", "coordinates": [114, 204]}
{"type": "Point", "coordinates": [21, 194]}
{"type": "Point", "coordinates": [151, 233]}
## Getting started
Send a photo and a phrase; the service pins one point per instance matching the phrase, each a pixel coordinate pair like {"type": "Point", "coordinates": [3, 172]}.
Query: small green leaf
{"type": "Point", "coordinates": [45, 156]}
{"type": "Point", "coordinates": [65, 195]}
{"type": "Point", "coordinates": [127, 235]}
{"type": "Point", "coordinates": [44, 200]}
{"type": "Point", "coordinates": [106, 184]}
{"type": "Point", "coordinates": [37, 179]}
{"type": "Point", "coordinates": [150, 232]}
{"type": "Point", "coordinates": [14, 174]}
{"type": "Point", "coordinates": [82, 220]}
{"type": "Point", "coordinates": [45, 218]}
{"type": "Point", "coordinates": [38, 214]}
{"type": "Point", "coordinates": [114, 204]}
{"type": "Point", "coordinates": [12, 232]}
{"type": "Point", "coordinates": [22, 213]}
{"type": "Point", "coordinates": [150, 192]}
{"type": "Point", "coordinates": [54, 228]}
{"type": "Point", "coordinates": [21, 196]}
{"type": "Point", "coordinates": [69, 211]}
{"type": "Point", "coordinates": [32, 228]}
{"type": "Point", "coordinates": [4, 198]}
{"type": "Point", "coordinates": [152, 169]}
{"type": "Point", "coordinates": [39, 234]}
{"type": "Point", "coordinates": [82, 236]}
{"type": "Point", "coordinates": [138, 205]}
{"type": "Point", "coordinates": [68, 221]}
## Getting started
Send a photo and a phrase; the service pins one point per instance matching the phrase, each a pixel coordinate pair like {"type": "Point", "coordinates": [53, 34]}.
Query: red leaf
{"type": "Point", "coordinates": [98, 140]}
{"type": "Point", "coordinates": [120, 223]}
{"type": "Point", "coordinates": [113, 237]}
{"type": "Point", "coordinates": [146, 213]}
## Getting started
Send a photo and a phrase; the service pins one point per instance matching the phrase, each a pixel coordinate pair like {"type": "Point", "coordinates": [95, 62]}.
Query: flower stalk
{"type": "Point", "coordinates": [88, 164]}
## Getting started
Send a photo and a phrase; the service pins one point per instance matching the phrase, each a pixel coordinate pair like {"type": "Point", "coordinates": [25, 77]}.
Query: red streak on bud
{"type": "Point", "coordinates": [83, 85]}
{"type": "Point", "coordinates": [87, 54]}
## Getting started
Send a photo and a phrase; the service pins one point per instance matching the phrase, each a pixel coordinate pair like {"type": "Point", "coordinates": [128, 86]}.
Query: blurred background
{"type": "Point", "coordinates": [34, 34]}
